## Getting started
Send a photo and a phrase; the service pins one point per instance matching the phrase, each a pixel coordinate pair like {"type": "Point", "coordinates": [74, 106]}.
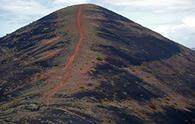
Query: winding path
{"type": "Point", "coordinates": [68, 65]}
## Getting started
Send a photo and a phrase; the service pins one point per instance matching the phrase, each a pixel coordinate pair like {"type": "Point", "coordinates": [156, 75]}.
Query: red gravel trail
{"type": "Point", "coordinates": [68, 65]}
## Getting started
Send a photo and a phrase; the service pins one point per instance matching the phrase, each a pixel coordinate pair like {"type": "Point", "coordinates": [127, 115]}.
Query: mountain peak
{"type": "Point", "coordinates": [85, 64]}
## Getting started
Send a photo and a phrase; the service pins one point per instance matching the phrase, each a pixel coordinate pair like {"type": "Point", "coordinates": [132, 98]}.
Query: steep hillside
{"type": "Point", "coordinates": [85, 64]}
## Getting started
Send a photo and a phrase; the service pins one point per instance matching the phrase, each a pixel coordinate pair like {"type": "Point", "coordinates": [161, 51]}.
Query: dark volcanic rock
{"type": "Point", "coordinates": [119, 72]}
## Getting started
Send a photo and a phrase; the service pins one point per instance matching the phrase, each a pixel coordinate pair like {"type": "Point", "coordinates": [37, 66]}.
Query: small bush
{"type": "Point", "coordinates": [93, 70]}
{"type": "Point", "coordinates": [45, 29]}
{"type": "Point", "coordinates": [99, 58]}
{"type": "Point", "coordinates": [81, 87]}
{"type": "Point", "coordinates": [89, 84]}
{"type": "Point", "coordinates": [32, 107]}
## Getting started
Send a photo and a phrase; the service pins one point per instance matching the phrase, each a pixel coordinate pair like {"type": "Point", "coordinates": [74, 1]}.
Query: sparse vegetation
{"type": "Point", "coordinates": [90, 84]}
{"type": "Point", "coordinates": [112, 76]}
{"type": "Point", "coordinates": [32, 107]}
{"type": "Point", "coordinates": [81, 87]}
{"type": "Point", "coordinates": [45, 29]}
{"type": "Point", "coordinates": [92, 71]}
{"type": "Point", "coordinates": [99, 58]}
{"type": "Point", "coordinates": [10, 104]}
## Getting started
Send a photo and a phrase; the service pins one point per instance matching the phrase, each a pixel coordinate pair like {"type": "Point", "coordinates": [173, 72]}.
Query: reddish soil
{"type": "Point", "coordinates": [87, 66]}
{"type": "Point", "coordinates": [49, 54]}
{"type": "Point", "coordinates": [50, 41]}
{"type": "Point", "coordinates": [68, 65]}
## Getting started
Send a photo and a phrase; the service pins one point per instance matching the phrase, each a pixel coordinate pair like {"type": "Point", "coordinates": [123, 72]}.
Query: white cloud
{"type": "Point", "coordinates": [165, 16]}
{"type": "Point", "coordinates": [23, 7]}
{"type": "Point", "coordinates": [183, 33]}
{"type": "Point", "coordinates": [154, 6]}
{"type": "Point", "coordinates": [189, 21]}
{"type": "Point", "coordinates": [69, 2]}
{"type": "Point", "coordinates": [151, 3]}
{"type": "Point", "coordinates": [140, 2]}
{"type": "Point", "coordinates": [18, 13]}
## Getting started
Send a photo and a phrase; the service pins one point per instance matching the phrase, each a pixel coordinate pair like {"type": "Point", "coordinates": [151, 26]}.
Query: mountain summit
{"type": "Point", "coordinates": [85, 64]}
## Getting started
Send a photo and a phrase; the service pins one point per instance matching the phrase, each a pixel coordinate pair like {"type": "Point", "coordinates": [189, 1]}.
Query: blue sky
{"type": "Point", "coordinates": [174, 19]}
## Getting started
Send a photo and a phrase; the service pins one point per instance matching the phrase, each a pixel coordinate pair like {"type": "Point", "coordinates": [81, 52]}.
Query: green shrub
{"type": "Point", "coordinates": [99, 58]}
{"type": "Point", "coordinates": [93, 70]}
{"type": "Point", "coordinates": [45, 29]}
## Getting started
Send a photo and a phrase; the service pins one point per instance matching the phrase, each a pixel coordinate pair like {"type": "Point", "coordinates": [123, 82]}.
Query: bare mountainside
{"type": "Point", "coordinates": [85, 64]}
